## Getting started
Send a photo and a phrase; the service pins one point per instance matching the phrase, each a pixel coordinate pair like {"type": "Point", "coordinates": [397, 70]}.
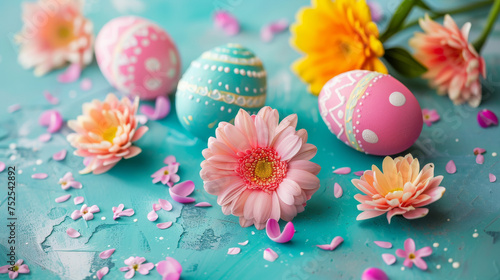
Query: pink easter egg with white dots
{"type": "Point", "coordinates": [371, 112]}
{"type": "Point", "coordinates": [138, 57]}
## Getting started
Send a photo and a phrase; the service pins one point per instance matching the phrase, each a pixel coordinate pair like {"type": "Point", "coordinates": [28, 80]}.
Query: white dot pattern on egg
{"type": "Point", "coordinates": [371, 112]}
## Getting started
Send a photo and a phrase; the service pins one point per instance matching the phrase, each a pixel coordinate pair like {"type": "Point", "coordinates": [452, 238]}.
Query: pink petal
{"type": "Point", "coordinates": [130, 274]}
{"type": "Point", "coordinates": [39, 176]}
{"type": "Point", "coordinates": [170, 269]}
{"type": "Point", "coordinates": [486, 118]}
{"type": "Point", "coordinates": [101, 272]}
{"type": "Point", "coordinates": [342, 171]}
{"type": "Point", "coordinates": [2, 166]}
{"type": "Point", "coordinates": [170, 160]}
{"type": "Point", "coordinates": [337, 190]}
{"type": "Point", "coordinates": [161, 110]}
{"type": "Point", "coordinates": [478, 151]}
{"type": "Point", "coordinates": [181, 199]}
{"type": "Point", "coordinates": [156, 206]}
{"type": "Point", "coordinates": [165, 205]}
{"type": "Point", "coordinates": [106, 254]}
{"type": "Point", "coordinates": [141, 119]}
{"type": "Point", "coordinates": [152, 216]}
{"type": "Point", "coordinates": [401, 253]}
{"type": "Point", "coordinates": [420, 263]}
{"type": "Point", "coordinates": [233, 251]}
{"type": "Point", "coordinates": [13, 108]}
{"type": "Point", "coordinates": [479, 159]}
{"type": "Point", "coordinates": [359, 173]}
{"type": "Point", "coordinates": [389, 258]}
{"type": "Point", "coordinates": [451, 168]}
{"type": "Point", "coordinates": [78, 200]}
{"type": "Point", "coordinates": [409, 245]}
{"type": "Point", "coordinates": [52, 119]}
{"type": "Point", "coordinates": [227, 22]}
{"type": "Point", "coordinates": [243, 243]}
{"type": "Point", "coordinates": [424, 252]}
{"type": "Point", "coordinates": [374, 273]}
{"type": "Point", "coordinates": [145, 268]}
{"type": "Point", "coordinates": [73, 233]}
{"type": "Point", "coordinates": [76, 215]}
{"type": "Point", "coordinates": [4, 268]}
{"type": "Point", "coordinates": [203, 204]}
{"type": "Point", "coordinates": [71, 74]}
{"type": "Point", "coordinates": [415, 214]}
{"type": "Point", "coordinates": [59, 155]}
{"type": "Point", "coordinates": [268, 31]}
{"type": "Point", "coordinates": [493, 178]}
{"type": "Point", "coordinates": [336, 241]}
{"type": "Point", "coordinates": [63, 198]}
{"type": "Point", "coordinates": [52, 99]}
{"type": "Point", "coordinates": [270, 255]}
{"type": "Point", "coordinates": [45, 137]}
{"type": "Point", "coordinates": [274, 233]}
{"type": "Point", "coordinates": [127, 213]}
{"type": "Point", "coordinates": [183, 189]}
{"type": "Point", "coordinates": [86, 84]}
{"type": "Point", "coordinates": [164, 225]}
{"type": "Point", "coordinates": [383, 244]}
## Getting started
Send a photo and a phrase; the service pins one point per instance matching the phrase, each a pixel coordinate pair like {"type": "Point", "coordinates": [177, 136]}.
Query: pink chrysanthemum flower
{"type": "Point", "coordinates": [105, 132]}
{"type": "Point", "coordinates": [400, 190]}
{"type": "Point", "coordinates": [14, 270]}
{"type": "Point", "coordinates": [414, 257]}
{"type": "Point", "coordinates": [453, 64]}
{"type": "Point", "coordinates": [55, 32]}
{"type": "Point", "coordinates": [259, 168]}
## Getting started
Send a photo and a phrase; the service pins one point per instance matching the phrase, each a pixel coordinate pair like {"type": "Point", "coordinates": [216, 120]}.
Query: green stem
{"type": "Point", "coordinates": [489, 25]}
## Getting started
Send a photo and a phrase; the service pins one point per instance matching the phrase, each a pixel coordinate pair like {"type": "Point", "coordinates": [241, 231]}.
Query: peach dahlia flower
{"type": "Point", "coordinates": [259, 168]}
{"type": "Point", "coordinates": [453, 64]}
{"type": "Point", "coordinates": [401, 189]}
{"type": "Point", "coordinates": [105, 132]}
{"type": "Point", "coordinates": [55, 32]}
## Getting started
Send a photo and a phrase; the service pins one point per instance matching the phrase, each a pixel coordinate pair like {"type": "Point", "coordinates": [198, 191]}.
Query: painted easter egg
{"type": "Point", "coordinates": [138, 57]}
{"type": "Point", "coordinates": [217, 85]}
{"type": "Point", "coordinates": [371, 112]}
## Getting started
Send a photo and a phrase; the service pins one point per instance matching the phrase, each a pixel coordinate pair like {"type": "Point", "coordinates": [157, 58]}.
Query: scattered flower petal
{"type": "Point", "coordinates": [430, 116]}
{"type": "Point", "coordinates": [181, 199]}
{"type": "Point", "coordinates": [73, 233]}
{"type": "Point", "coordinates": [141, 119]}
{"type": "Point", "coordinates": [170, 160]}
{"type": "Point", "coordinates": [268, 31]}
{"type": "Point", "coordinates": [169, 269]}
{"type": "Point", "coordinates": [63, 198]}
{"type": "Point", "coordinates": [203, 204]}
{"type": "Point", "coordinates": [233, 251]}
{"type": "Point", "coordinates": [71, 74]}
{"type": "Point", "coordinates": [179, 192]}
{"type": "Point", "coordinates": [39, 176]}
{"type": "Point", "coordinates": [270, 255]}
{"type": "Point", "coordinates": [101, 272]}
{"type": "Point", "coordinates": [2, 166]}
{"type": "Point", "coordinates": [52, 119]}
{"type": "Point", "coordinates": [156, 206]}
{"type": "Point", "coordinates": [119, 212]}
{"type": "Point", "coordinates": [274, 233]}
{"type": "Point", "coordinates": [165, 204]}
{"type": "Point", "coordinates": [45, 137]}
{"type": "Point", "coordinates": [243, 243]}
{"type": "Point", "coordinates": [59, 155]}
{"type": "Point", "coordinates": [383, 244]}
{"type": "Point", "coordinates": [106, 254]}
{"type": "Point", "coordinates": [227, 22]}
{"type": "Point", "coordinates": [479, 159]}
{"type": "Point", "coordinates": [52, 99]}
{"type": "Point", "coordinates": [337, 190]}
{"type": "Point", "coordinates": [86, 84]}
{"type": "Point", "coordinates": [342, 170]}
{"type": "Point", "coordinates": [164, 225]}
{"type": "Point", "coordinates": [78, 200]}
{"type": "Point", "coordinates": [13, 108]}
{"type": "Point", "coordinates": [152, 216]}
{"type": "Point", "coordinates": [478, 151]}
{"type": "Point", "coordinates": [359, 173]}
{"type": "Point", "coordinates": [336, 241]}
{"type": "Point", "coordinates": [492, 177]}
{"type": "Point", "coordinates": [486, 118]}
{"type": "Point", "coordinates": [451, 168]}
{"type": "Point", "coordinates": [389, 259]}
{"type": "Point", "coordinates": [160, 111]}
{"type": "Point", "coordinates": [374, 273]}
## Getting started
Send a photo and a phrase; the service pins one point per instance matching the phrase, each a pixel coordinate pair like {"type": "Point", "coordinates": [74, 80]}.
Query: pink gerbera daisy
{"type": "Point", "coordinates": [259, 168]}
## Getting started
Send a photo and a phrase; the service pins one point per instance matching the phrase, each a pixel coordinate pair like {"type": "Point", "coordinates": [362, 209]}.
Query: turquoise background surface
{"type": "Point", "coordinates": [200, 237]}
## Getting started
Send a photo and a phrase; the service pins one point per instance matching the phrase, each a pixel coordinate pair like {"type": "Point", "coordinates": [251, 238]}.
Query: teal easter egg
{"type": "Point", "coordinates": [216, 85]}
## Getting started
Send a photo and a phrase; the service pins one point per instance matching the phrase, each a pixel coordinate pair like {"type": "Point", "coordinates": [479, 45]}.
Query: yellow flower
{"type": "Point", "coordinates": [335, 36]}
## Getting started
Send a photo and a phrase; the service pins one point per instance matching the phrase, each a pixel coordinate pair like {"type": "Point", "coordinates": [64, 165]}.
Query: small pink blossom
{"type": "Point", "coordinates": [430, 116]}
{"type": "Point", "coordinates": [67, 181]}
{"type": "Point", "coordinates": [414, 257]}
{"type": "Point", "coordinates": [119, 212]}
{"type": "Point", "coordinates": [227, 22]}
{"type": "Point", "coordinates": [136, 264]}
{"type": "Point", "coordinates": [14, 270]}
{"type": "Point", "coordinates": [169, 269]}
{"type": "Point", "coordinates": [86, 212]}
{"type": "Point", "coordinates": [167, 175]}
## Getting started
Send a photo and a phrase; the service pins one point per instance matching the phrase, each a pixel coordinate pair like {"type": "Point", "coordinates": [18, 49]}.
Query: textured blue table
{"type": "Point", "coordinates": [199, 238]}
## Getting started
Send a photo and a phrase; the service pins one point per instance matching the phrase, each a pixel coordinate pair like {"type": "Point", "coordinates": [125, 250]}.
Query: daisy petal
{"type": "Point", "coordinates": [78, 200]}
{"type": "Point", "coordinates": [101, 272]}
{"type": "Point", "coordinates": [73, 233]}
{"type": "Point", "coordinates": [106, 254]}
{"type": "Point", "coordinates": [337, 190]}
{"type": "Point", "coordinates": [203, 204]}
{"type": "Point", "coordinates": [274, 233]}
{"type": "Point", "coordinates": [389, 259]}
{"type": "Point", "coordinates": [164, 225]}
{"type": "Point", "coordinates": [62, 198]}
{"type": "Point", "coordinates": [165, 205]}
{"type": "Point", "coordinates": [383, 244]}
{"type": "Point", "coordinates": [270, 255]}
{"type": "Point", "coordinates": [233, 251]}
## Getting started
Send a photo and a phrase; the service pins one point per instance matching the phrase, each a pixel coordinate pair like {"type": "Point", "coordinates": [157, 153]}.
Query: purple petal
{"type": "Point", "coordinates": [383, 244]}
{"type": "Point", "coordinates": [86, 84]}
{"type": "Point", "coordinates": [183, 189]}
{"type": "Point", "coordinates": [342, 171]}
{"type": "Point", "coordinates": [233, 251]}
{"type": "Point", "coordinates": [479, 159]}
{"type": "Point", "coordinates": [73, 233]}
{"type": "Point", "coordinates": [181, 199]}
{"type": "Point", "coordinates": [492, 177]}
{"type": "Point", "coordinates": [71, 74]}
{"type": "Point", "coordinates": [39, 176]}
{"type": "Point", "coordinates": [63, 198]}
{"type": "Point", "coordinates": [359, 173]}
{"type": "Point", "coordinates": [165, 205]}
{"type": "Point", "coordinates": [451, 168]}
{"type": "Point", "coordinates": [106, 254]}
{"type": "Point", "coordinates": [270, 255]}
{"type": "Point", "coordinates": [226, 22]}
{"type": "Point", "coordinates": [268, 31]}
{"type": "Point", "coordinates": [156, 206]}
{"type": "Point", "coordinates": [336, 241]}
{"type": "Point", "coordinates": [389, 258]}
{"type": "Point", "coordinates": [45, 137]}
{"type": "Point", "coordinates": [274, 233]}
{"type": "Point", "coordinates": [161, 110]}
{"type": "Point", "coordinates": [164, 225]}
{"type": "Point", "coordinates": [13, 108]}
{"type": "Point", "coordinates": [486, 118]}
{"type": "Point", "coordinates": [52, 99]}
{"type": "Point", "coordinates": [203, 204]}
{"type": "Point", "coordinates": [152, 216]}
{"type": "Point", "coordinates": [374, 273]}
{"type": "Point", "coordinates": [243, 243]}
{"type": "Point", "coordinates": [101, 272]}
{"type": "Point", "coordinates": [59, 155]}
{"type": "Point", "coordinates": [2, 166]}
{"type": "Point", "coordinates": [337, 190]}
{"type": "Point", "coordinates": [52, 119]}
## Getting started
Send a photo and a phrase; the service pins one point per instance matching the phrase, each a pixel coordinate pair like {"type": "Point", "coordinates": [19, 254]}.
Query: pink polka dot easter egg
{"type": "Point", "coordinates": [138, 57]}
{"type": "Point", "coordinates": [371, 112]}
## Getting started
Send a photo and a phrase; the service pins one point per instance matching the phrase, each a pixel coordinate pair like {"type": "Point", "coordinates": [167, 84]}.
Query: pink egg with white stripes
{"type": "Point", "coordinates": [372, 112]}
{"type": "Point", "coordinates": [138, 57]}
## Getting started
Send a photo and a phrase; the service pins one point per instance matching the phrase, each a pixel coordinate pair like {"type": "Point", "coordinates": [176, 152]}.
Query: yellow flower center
{"type": "Point", "coordinates": [109, 134]}
{"type": "Point", "coordinates": [165, 172]}
{"type": "Point", "coordinates": [64, 183]}
{"type": "Point", "coordinates": [85, 211]}
{"type": "Point", "coordinates": [411, 256]}
{"type": "Point", "coordinates": [135, 266]}
{"type": "Point", "coordinates": [396, 190]}
{"type": "Point", "coordinates": [15, 268]}
{"type": "Point", "coordinates": [263, 169]}
{"type": "Point", "coordinates": [58, 32]}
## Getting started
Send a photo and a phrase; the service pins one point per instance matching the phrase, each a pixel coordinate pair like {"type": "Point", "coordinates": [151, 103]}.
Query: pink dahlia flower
{"type": "Point", "coordinates": [453, 64]}
{"type": "Point", "coordinates": [105, 132]}
{"type": "Point", "coordinates": [259, 168]}
{"type": "Point", "coordinates": [55, 32]}
{"type": "Point", "coordinates": [400, 190]}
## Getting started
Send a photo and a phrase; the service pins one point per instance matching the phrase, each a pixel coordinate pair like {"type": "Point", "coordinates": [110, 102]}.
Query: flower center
{"type": "Point", "coordinates": [15, 268]}
{"type": "Point", "coordinates": [165, 172]}
{"type": "Point", "coordinates": [64, 183]}
{"type": "Point", "coordinates": [396, 190]}
{"type": "Point", "coordinates": [411, 256]}
{"type": "Point", "coordinates": [85, 211]}
{"type": "Point", "coordinates": [427, 117]}
{"type": "Point", "coordinates": [109, 134]}
{"type": "Point", "coordinates": [262, 169]}
{"type": "Point", "coordinates": [58, 32]}
{"type": "Point", "coordinates": [135, 266]}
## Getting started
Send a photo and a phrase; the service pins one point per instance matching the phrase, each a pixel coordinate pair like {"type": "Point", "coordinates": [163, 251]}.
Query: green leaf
{"type": "Point", "coordinates": [398, 18]}
{"type": "Point", "coordinates": [404, 62]}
